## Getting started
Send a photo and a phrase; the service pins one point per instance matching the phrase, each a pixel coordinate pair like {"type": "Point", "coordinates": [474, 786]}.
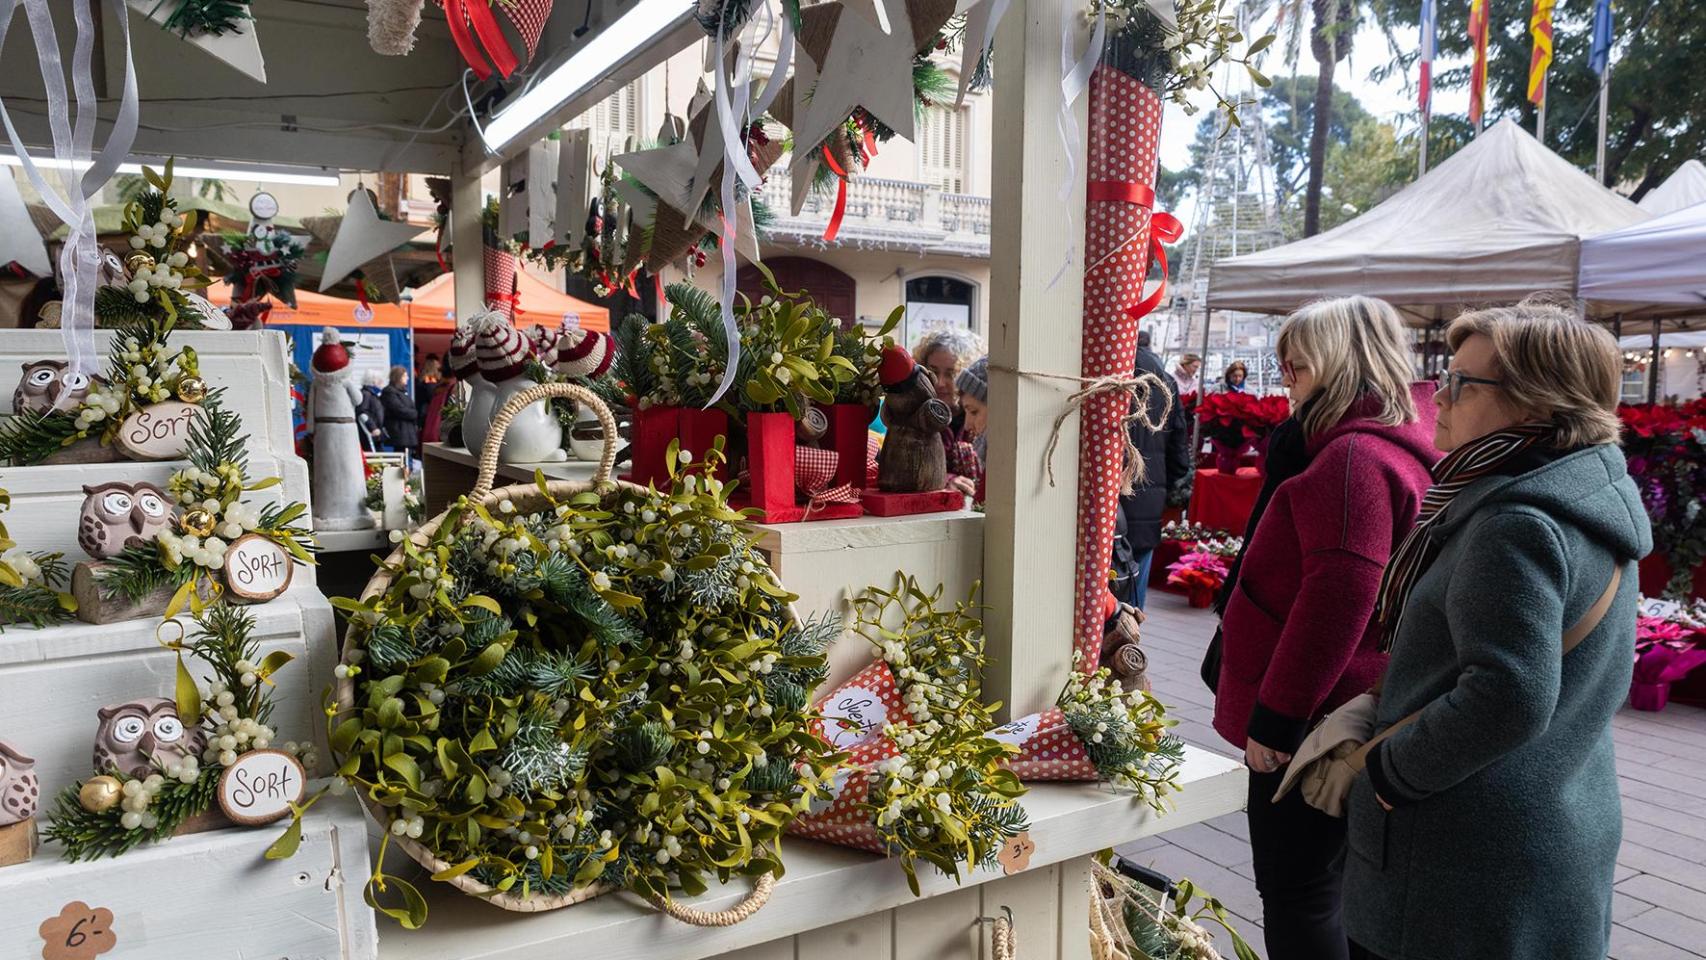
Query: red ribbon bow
{"type": "Point", "coordinates": [1164, 228]}
{"type": "Point", "coordinates": [813, 470]}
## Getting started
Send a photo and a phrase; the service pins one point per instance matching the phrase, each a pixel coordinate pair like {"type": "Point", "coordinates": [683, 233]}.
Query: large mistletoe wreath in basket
{"type": "Point", "coordinates": [555, 690]}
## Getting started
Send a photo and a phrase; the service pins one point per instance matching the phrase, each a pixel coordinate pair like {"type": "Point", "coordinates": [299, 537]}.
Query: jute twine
{"type": "Point", "coordinates": [1136, 389]}
{"type": "Point", "coordinates": [527, 497]}
{"type": "Point", "coordinates": [1003, 942]}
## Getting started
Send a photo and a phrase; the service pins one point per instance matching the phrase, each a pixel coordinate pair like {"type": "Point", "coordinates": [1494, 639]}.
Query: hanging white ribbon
{"type": "Point", "coordinates": [80, 258]}
{"type": "Point", "coordinates": [1074, 80]}
{"type": "Point", "coordinates": [737, 165]}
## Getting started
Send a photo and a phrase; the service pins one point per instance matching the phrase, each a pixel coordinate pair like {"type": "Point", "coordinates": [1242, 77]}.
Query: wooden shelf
{"type": "Point", "coordinates": [451, 471]}
{"type": "Point", "coordinates": [377, 540]}
{"type": "Point", "coordinates": [824, 885]}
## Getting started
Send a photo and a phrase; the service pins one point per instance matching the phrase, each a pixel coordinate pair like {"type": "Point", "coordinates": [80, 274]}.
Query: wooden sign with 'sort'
{"type": "Point", "coordinates": [260, 787]}
{"type": "Point", "coordinates": [256, 568]}
{"type": "Point", "coordinates": [159, 431]}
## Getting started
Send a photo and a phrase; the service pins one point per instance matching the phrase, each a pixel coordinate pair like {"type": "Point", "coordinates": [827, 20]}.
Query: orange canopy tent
{"type": "Point", "coordinates": [537, 304]}
{"type": "Point", "coordinates": [319, 310]}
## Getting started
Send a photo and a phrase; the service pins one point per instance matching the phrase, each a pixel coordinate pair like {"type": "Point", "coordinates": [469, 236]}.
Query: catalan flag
{"type": "Point", "coordinates": [1478, 27]}
{"type": "Point", "coordinates": [1540, 27]}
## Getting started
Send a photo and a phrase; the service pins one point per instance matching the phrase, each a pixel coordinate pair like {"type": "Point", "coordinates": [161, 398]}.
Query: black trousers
{"type": "Point", "coordinates": [1299, 862]}
{"type": "Point", "coordinates": [1358, 953]}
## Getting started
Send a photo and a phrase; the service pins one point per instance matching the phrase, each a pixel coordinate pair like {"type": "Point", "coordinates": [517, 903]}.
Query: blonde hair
{"type": "Point", "coordinates": [963, 344]}
{"type": "Point", "coordinates": [1555, 365]}
{"type": "Point", "coordinates": [1354, 346]}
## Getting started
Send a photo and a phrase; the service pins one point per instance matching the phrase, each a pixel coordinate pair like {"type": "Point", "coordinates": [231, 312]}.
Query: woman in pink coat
{"type": "Point", "coordinates": [1347, 476]}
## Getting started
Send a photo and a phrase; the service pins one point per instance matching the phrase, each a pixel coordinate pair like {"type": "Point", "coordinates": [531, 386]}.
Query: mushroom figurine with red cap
{"type": "Point", "coordinates": [913, 459]}
{"type": "Point", "coordinates": [340, 481]}
{"type": "Point", "coordinates": [535, 435]}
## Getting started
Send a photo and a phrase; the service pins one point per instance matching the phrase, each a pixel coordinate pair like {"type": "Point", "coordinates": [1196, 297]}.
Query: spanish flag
{"type": "Point", "coordinates": [1540, 27]}
{"type": "Point", "coordinates": [1478, 72]}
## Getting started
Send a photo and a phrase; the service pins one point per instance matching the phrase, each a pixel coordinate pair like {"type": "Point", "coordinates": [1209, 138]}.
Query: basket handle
{"type": "Point", "coordinates": [523, 400]}
{"type": "Point", "coordinates": [759, 896]}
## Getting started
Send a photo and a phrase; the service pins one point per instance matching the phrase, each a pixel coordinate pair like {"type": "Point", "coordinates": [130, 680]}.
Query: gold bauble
{"type": "Point", "coordinates": [192, 389]}
{"type": "Point", "coordinates": [99, 794]}
{"type": "Point", "coordinates": [197, 522]}
{"type": "Point", "coordinates": [139, 260]}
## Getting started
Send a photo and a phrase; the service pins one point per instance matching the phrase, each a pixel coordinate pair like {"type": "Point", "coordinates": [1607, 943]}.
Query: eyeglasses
{"type": "Point", "coordinates": [1288, 370]}
{"type": "Point", "coordinates": [1451, 384]}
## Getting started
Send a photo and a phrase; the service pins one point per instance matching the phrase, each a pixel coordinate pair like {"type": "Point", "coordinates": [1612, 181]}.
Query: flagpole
{"type": "Point", "coordinates": [1599, 156]}
{"type": "Point", "coordinates": [1423, 168]}
{"type": "Point", "coordinates": [1540, 116]}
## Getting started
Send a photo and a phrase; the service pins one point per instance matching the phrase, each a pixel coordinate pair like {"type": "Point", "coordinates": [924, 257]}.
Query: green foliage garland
{"type": "Point", "coordinates": [609, 689]}
{"type": "Point", "coordinates": [30, 582]}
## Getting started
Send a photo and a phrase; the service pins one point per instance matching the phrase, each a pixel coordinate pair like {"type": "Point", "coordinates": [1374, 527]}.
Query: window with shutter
{"type": "Point", "coordinates": [942, 148]}
{"type": "Point", "coordinates": [613, 120]}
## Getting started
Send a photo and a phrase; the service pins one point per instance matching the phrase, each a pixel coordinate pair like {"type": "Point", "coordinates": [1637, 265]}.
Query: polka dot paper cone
{"type": "Point", "coordinates": [856, 711]}
{"type": "Point", "coordinates": [1048, 749]}
{"type": "Point", "coordinates": [500, 280]}
{"type": "Point", "coordinates": [840, 820]}
{"type": "Point", "coordinates": [1125, 133]}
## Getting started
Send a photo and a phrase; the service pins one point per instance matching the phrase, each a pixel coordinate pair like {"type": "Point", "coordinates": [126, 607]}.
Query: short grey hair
{"type": "Point", "coordinates": [1555, 365]}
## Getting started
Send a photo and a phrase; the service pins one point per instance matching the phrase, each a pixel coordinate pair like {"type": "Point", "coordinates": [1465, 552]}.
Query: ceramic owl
{"type": "Point", "coordinates": [51, 385]}
{"type": "Point", "coordinates": [135, 737]}
{"type": "Point", "coordinates": [116, 514]}
{"type": "Point", "coordinates": [20, 792]}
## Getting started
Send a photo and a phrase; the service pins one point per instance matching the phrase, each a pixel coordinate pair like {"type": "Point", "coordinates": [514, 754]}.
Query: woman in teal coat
{"type": "Point", "coordinates": [1489, 827]}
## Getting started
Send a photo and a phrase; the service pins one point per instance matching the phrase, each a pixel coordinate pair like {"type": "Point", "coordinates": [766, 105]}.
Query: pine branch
{"type": "Point", "coordinates": [116, 307]}
{"type": "Point", "coordinates": [216, 437]}
{"type": "Point", "coordinates": [138, 572]}
{"type": "Point", "coordinates": [217, 17]}
{"type": "Point", "coordinates": [35, 605]}
{"type": "Point", "coordinates": [30, 438]}
{"type": "Point", "coordinates": [85, 835]}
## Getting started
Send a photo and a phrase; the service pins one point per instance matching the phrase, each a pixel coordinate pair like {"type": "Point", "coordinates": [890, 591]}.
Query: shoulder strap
{"type": "Point", "coordinates": [1572, 638]}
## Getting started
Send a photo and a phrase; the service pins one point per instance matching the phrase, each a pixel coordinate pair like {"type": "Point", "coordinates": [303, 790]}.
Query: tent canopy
{"type": "Point", "coordinates": [1501, 219]}
{"type": "Point", "coordinates": [537, 304]}
{"type": "Point", "coordinates": [1667, 341]}
{"type": "Point", "coordinates": [318, 309]}
{"type": "Point", "coordinates": [1659, 261]}
{"type": "Point", "coordinates": [1684, 188]}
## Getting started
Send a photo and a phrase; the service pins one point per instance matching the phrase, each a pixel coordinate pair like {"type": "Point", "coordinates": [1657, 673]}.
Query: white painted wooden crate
{"type": "Point", "coordinates": [52, 681]}
{"type": "Point", "coordinates": [209, 895]}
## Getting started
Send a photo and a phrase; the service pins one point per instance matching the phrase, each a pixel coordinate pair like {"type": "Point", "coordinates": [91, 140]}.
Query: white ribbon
{"type": "Point", "coordinates": [81, 257]}
{"type": "Point", "coordinates": [1074, 80]}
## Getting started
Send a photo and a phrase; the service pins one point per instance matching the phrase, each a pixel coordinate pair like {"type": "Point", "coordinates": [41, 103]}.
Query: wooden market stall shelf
{"type": "Point", "coordinates": [210, 894]}
{"type": "Point", "coordinates": [838, 902]}
{"type": "Point", "coordinates": [827, 562]}
{"type": "Point", "coordinates": [450, 473]}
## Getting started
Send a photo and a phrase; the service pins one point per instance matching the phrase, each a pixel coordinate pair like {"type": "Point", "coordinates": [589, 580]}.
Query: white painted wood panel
{"type": "Point", "coordinates": [774, 950]}
{"type": "Point", "coordinates": [940, 928]}
{"type": "Point", "coordinates": [866, 938]}
{"type": "Point", "coordinates": [53, 681]}
{"type": "Point", "coordinates": [209, 895]}
{"type": "Point", "coordinates": [1033, 897]}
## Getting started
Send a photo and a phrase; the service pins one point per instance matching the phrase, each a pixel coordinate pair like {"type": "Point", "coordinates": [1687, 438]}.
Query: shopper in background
{"type": "Point", "coordinates": [401, 425]}
{"type": "Point", "coordinates": [973, 384]}
{"type": "Point", "coordinates": [426, 384]}
{"type": "Point", "coordinates": [1185, 374]}
{"type": "Point", "coordinates": [370, 414]}
{"type": "Point", "coordinates": [1299, 637]}
{"type": "Point", "coordinates": [945, 352]}
{"type": "Point", "coordinates": [1166, 459]}
{"type": "Point", "coordinates": [1490, 826]}
{"type": "Point", "coordinates": [1233, 379]}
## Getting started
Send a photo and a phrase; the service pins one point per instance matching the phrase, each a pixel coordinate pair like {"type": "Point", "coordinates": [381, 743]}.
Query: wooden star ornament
{"type": "Point", "coordinates": [361, 237]}
{"type": "Point", "coordinates": [866, 67]}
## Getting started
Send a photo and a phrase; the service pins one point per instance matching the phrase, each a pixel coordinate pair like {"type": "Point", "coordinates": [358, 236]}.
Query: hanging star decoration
{"type": "Point", "coordinates": [362, 238]}
{"type": "Point", "coordinates": [224, 29]}
{"type": "Point", "coordinates": [868, 68]}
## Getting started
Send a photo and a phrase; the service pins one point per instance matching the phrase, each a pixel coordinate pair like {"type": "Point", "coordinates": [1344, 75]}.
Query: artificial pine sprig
{"type": "Point", "coordinates": [30, 582]}
{"type": "Point", "coordinates": [87, 835]}
{"type": "Point", "coordinates": [1124, 733]}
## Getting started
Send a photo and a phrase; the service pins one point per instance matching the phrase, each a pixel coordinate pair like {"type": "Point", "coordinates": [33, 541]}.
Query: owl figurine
{"type": "Point", "coordinates": [50, 385]}
{"type": "Point", "coordinates": [117, 514]}
{"type": "Point", "coordinates": [20, 792]}
{"type": "Point", "coordinates": [138, 737]}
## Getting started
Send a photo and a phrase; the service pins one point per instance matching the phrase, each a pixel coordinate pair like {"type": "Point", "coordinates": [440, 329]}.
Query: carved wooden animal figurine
{"type": "Point", "coordinates": [118, 514]}
{"type": "Point", "coordinates": [135, 737]}
{"type": "Point", "coordinates": [20, 791]}
{"type": "Point", "coordinates": [912, 459]}
{"type": "Point", "coordinates": [51, 385]}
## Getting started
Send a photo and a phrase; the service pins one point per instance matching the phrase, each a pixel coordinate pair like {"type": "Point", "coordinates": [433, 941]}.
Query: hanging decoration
{"type": "Point", "coordinates": [224, 29]}
{"type": "Point", "coordinates": [1123, 235]}
{"type": "Point", "coordinates": [140, 796]}
{"type": "Point", "coordinates": [391, 26]}
{"type": "Point", "coordinates": [362, 237]}
{"type": "Point", "coordinates": [262, 263]}
{"type": "Point", "coordinates": [476, 32]}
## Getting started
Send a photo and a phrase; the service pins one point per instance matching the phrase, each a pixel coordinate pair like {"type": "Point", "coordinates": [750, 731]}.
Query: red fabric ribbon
{"type": "Point", "coordinates": [834, 227]}
{"type": "Point", "coordinates": [361, 293]}
{"type": "Point", "coordinates": [457, 17]}
{"type": "Point", "coordinates": [492, 37]}
{"type": "Point", "coordinates": [1164, 228]}
{"type": "Point", "coordinates": [813, 470]}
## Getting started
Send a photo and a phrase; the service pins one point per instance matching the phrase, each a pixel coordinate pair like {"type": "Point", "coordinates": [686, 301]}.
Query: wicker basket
{"type": "Point", "coordinates": [526, 497]}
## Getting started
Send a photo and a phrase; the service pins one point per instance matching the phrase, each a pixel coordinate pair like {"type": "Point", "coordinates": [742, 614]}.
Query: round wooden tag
{"type": "Point", "coordinates": [256, 568]}
{"type": "Point", "coordinates": [260, 787]}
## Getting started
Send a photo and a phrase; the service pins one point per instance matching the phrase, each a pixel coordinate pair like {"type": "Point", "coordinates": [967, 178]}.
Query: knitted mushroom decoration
{"type": "Point", "coordinates": [543, 341]}
{"type": "Point", "coordinates": [461, 360]}
{"type": "Point", "coordinates": [502, 349]}
{"type": "Point", "coordinates": [584, 354]}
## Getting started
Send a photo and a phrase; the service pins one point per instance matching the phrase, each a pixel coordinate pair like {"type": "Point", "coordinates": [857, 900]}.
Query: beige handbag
{"type": "Point", "coordinates": [1330, 758]}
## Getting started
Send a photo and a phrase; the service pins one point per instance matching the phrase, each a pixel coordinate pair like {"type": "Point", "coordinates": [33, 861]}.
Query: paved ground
{"type": "Point", "coordinates": [1660, 900]}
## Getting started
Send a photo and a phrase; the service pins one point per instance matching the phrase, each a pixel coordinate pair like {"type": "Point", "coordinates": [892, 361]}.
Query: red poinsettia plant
{"type": "Point", "coordinates": [1670, 643]}
{"type": "Point", "coordinates": [1666, 449]}
{"type": "Point", "coordinates": [1240, 418]}
{"type": "Point", "coordinates": [1199, 568]}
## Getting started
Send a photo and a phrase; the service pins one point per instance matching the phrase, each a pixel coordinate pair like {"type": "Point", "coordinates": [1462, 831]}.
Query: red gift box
{"type": "Point", "coordinates": [655, 428]}
{"type": "Point", "coordinates": [699, 432]}
{"type": "Point", "coordinates": [849, 431]}
{"type": "Point", "coordinates": [775, 481]}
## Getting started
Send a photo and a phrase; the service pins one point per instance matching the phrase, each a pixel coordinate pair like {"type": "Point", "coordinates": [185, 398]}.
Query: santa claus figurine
{"type": "Point", "coordinates": [340, 481]}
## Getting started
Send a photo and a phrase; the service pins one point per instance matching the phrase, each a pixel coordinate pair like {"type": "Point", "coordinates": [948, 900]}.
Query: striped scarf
{"type": "Point", "coordinates": [1479, 458]}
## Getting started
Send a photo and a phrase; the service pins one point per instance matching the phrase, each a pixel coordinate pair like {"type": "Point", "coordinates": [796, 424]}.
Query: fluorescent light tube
{"type": "Point", "coordinates": [643, 23]}
{"type": "Point", "coordinates": [307, 176]}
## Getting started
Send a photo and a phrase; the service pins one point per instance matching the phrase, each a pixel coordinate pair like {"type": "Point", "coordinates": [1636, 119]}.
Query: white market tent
{"type": "Point", "coordinates": [1655, 263]}
{"type": "Point", "coordinates": [1684, 188]}
{"type": "Point", "coordinates": [1502, 218]}
{"type": "Point", "coordinates": [1689, 340]}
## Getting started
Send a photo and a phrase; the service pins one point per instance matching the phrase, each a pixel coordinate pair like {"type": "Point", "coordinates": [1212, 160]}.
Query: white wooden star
{"type": "Point", "coordinates": [362, 236]}
{"type": "Point", "coordinates": [666, 171]}
{"type": "Point", "coordinates": [866, 68]}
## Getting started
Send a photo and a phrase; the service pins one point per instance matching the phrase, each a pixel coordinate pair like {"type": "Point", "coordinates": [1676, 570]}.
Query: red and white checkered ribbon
{"type": "Point", "coordinates": [814, 468]}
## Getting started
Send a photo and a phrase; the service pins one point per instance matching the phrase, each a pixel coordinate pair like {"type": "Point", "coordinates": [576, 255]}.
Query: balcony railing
{"type": "Point", "coordinates": [882, 214]}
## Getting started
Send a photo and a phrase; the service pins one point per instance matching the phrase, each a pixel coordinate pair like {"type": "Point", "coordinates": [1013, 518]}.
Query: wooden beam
{"type": "Point", "coordinates": [1035, 326]}
{"type": "Point", "coordinates": [466, 205]}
